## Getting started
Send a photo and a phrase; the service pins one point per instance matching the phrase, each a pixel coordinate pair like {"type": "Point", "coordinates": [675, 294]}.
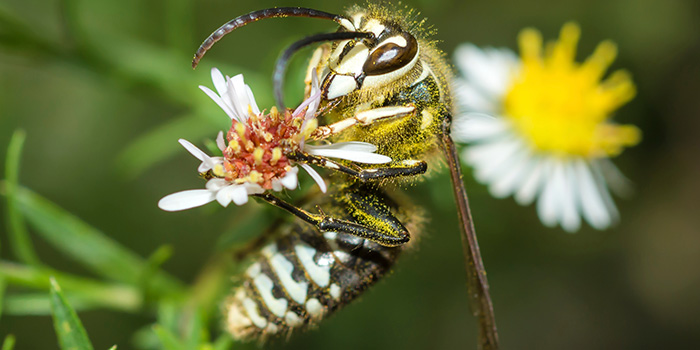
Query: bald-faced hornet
{"type": "Point", "coordinates": [383, 82]}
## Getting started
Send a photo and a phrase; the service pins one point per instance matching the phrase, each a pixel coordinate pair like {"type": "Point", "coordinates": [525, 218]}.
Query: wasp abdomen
{"type": "Point", "coordinates": [301, 278]}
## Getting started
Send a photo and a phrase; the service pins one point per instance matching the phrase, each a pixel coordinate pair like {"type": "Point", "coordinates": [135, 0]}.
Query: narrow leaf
{"type": "Point", "coordinates": [70, 332]}
{"type": "Point", "coordinates": [160, 256]}
{"type": "Point", "coordinates": [87, 292]}
{"type": "Point", "coordinates": [9, 342]}
{"type": "Point", "coordinates": [224, 342]}
{"type": "Point", "coordinates": [87, 245]}
{"type": "Point", "coordinates": [3, 285]}
{"type": "Point", "coordinates": [167, 338]}
{"type": "Point", "coordinates": [39, 304]}
{"type": "Point", "coordinates": [19, 235]}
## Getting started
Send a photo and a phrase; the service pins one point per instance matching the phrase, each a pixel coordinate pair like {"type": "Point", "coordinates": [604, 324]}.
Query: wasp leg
{"type": "Point", "coordinates": [373, 219]}
{"type": "Point", "coordinates": [402, 168]}
{"type": "Point", "coordinates": [363, 118]}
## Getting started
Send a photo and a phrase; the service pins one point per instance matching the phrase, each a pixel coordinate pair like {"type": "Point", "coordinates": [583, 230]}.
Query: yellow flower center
{"type": "Point", "coordinates": [562, 106]}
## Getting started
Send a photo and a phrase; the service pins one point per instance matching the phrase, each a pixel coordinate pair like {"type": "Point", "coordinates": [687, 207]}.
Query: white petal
{"type": "Point", "coordinates": [592, 205]}
{"type": "Point", "coordinates": [548, 207]}
{"type": "Point", "coordinates": [186, 200]}
{"type": "Point", "coordinates": [211, 164]}
{"type": "Point", "coordinates": [277, 185]}
{"type": "Point", "coordinates": [314, 175]}
{"type": "Point", "coordinates": [512, 175]}
{"type": "Point", "coordinates": [315, 96]}
{"type": "Point", "coordinates": [533, 182]}
{"type": "Point", "coordinates": [490, 70]}
{"type": "Point", "coordinates": [617, 181]}
{"type": "Point", "coordinates": [225, 194]}
{"type": "Point", "coordinates": [207, 161]}
{"type": "Point", "coordinates": [238, 93]}
{"type": "Point", "coordinates": [253, 188]}
{"type": "Point", "coordinates": [216, 184]}
{"type": "Point", "coordinates": [198, 153]}
{"type": "Point", "coordinates": [499, 156]}
{"type": "Point", "coordinates": [312, 101]}
{"type": "Point", "coordinates": [354, 156]}
{"type": "Point", "coordinates": [290, 180]}
{"type": "Point", "coordinates": [471, 99]}
{"type": "Point", "coordinates": [473, 127]}
{"type": "Point", "coordinates": [570, 220]}
{"type": "Point", "coordinates": [603, 190]}
{"type": "Point", "coordinates": [219, 101]}
{"type": "Point", "coordinates": [220, 141]}
{"type": "Point", "coordinates": [219, 81]}
{"type": "Point", "coordinates": [239, 194]}
{"type": "Point", "coordinates": [251, 100]}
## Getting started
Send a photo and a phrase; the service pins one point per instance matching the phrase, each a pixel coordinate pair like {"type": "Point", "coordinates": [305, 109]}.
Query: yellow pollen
{"type": "Point", "coordinates": [255, 176]}
{"type": "Point", "coordinates": [310, 126]}
{"type": "Point", "coordinates": [267, 136]}
{"type": "Point", "coordinates": [234, 146]}
{"type": "Point", "coordinates": [218, 170]}
{"type": "Point", "coordinates": [274, 113]}
{"type": "Point", "coordinates": [250, 112]}
{"type": "Point", "coordinates": [258, 155]}
{"type": "Point", "coordinates": [562, 106]}
{"type": "Point", "coordinates": [276, 155]}
{"type": "Point", "coordinates": [240, 130]}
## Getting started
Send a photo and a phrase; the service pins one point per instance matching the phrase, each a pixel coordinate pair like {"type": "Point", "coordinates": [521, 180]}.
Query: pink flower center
{"type": "Point", "coordinates": [257, 149]}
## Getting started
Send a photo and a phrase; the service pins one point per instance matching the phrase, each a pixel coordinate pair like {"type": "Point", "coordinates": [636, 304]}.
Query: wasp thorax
{"type": "Point", "coordinates": [258, 147]}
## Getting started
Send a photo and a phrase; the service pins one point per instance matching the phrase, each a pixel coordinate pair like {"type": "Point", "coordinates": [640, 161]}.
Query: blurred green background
{"type": "Point", "coordinates": [104, 88]}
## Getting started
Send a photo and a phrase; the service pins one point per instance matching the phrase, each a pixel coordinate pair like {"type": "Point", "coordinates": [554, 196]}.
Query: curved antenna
{"type": "Point", "coordinates": [255, 16]}
{"type": "Point", "coordinates": [283, 61]}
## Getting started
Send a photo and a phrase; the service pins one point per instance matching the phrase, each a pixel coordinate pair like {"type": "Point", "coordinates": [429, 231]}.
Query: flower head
{"type": "Point", "coordinates": [539, 125]}
{"type": "Point", "coordinates": [255, 149]}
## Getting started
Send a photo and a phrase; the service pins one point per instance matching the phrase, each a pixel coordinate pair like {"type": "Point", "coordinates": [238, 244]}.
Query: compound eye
{"type": "Point", "coordinates": [391, 56]}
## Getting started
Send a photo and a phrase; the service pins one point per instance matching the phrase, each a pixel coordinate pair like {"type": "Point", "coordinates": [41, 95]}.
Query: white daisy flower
{"type": "Point", "coordinates": [255, 158]}
{"type": "Point", "coordinates": [538, 126]}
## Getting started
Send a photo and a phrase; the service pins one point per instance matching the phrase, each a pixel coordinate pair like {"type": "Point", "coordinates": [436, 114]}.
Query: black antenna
{"type": "Point", "coordinates": [283, 61]}
{"type": "Point", "coordinates": [255, 16]}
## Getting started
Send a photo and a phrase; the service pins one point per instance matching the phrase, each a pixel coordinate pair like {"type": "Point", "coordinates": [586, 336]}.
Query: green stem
{"type": "Point", "coordinates": [20, 241]}
{"type": "Point", "coordinates": [113, 296]}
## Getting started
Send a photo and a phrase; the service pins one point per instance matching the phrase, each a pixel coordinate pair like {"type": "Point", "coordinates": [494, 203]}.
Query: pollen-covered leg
{"type": "Point", "coordinates": [364, 118]}
{"type": "Point", "coordinates": [408, 167]}
{"type": "Point", "coordinates": [372, 218]}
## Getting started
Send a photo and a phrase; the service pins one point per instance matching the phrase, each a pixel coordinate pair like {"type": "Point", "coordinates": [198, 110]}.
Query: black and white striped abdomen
{"type": "Point", "coordinates": [301, 278]}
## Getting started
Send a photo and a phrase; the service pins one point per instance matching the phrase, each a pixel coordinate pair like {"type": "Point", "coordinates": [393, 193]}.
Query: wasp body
{"type": "Point", "coordinates": [305, 274]}
{"type": "Point", "coordinates": [384, 83]}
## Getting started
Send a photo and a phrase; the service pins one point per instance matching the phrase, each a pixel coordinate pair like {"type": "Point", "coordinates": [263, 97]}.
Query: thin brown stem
{"type": "Point", "coordinates": [478, 285]}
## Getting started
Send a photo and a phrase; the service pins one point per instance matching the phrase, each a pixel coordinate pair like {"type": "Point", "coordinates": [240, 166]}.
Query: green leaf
{"type": "Point", "coordinates": [157, 258]}
{"type": "Point", "coordinates": [89, 246]}
{"type": "Point", "coordinates": [70, 332]}
{"type": "Point", "coordinates": [224, 342]}
{"type": "Point", "coordinates": [20, 241]}
{"type": "Point", "coordinates": [9, 342]}
{"type": "Point", "coordinates": [3, 285]}
{"type": "Point", "coordinates": [39, 304]}
{"type": "Point", "coordinates": [197, 334]}
{"type": "Point", "coordinates": [86, 292]}
{"type": "Point", "coordinates": [168, 339]}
